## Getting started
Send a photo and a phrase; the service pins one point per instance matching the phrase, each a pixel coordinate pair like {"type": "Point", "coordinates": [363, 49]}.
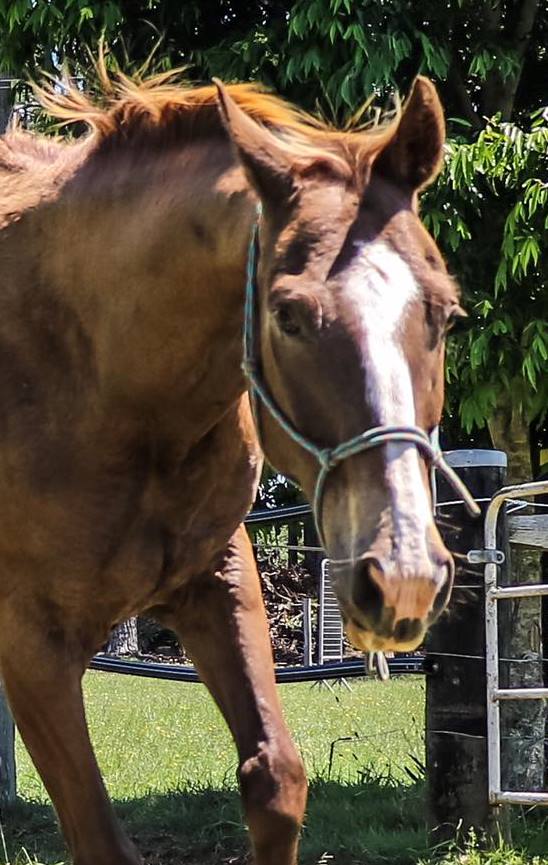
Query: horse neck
{"type": "Point", "coordinates": [159, 245]}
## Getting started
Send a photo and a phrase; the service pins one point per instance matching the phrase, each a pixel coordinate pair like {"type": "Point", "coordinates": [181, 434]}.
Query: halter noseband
{"type": "Point", "coordinates": [328, 458]}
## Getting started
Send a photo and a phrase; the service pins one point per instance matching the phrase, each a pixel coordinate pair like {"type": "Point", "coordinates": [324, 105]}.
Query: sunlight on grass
{"type": "Point", "coordinates": [162, 736]}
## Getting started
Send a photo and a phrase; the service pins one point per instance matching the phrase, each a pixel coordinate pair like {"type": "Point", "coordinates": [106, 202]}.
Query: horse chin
{"type": "Point", "coordinates": [368, 641]}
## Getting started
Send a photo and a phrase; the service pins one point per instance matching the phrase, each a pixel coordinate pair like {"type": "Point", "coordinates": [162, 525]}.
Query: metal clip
{"type": "Point", "coordinates": [486, 557]}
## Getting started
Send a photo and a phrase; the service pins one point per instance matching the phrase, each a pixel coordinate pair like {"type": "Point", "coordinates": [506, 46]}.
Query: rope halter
{"type": "Point", "coordinates": [328, 458]}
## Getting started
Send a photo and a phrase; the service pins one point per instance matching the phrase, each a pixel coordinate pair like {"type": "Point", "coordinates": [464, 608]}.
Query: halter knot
{"type": "Point", "coordinates": [327, 458]}
{"type": "Point", "coordinates": [436, 457]}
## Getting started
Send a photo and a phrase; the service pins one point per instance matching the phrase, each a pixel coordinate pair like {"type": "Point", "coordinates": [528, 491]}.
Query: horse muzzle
{"type": "Point", "coordinates": [389, 608]}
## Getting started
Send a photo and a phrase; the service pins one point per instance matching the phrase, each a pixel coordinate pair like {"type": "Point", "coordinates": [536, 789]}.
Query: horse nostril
{"type": "Point", "coordinates": [366, 594]}
{"type": "Point", "coordinates": [407, 630]}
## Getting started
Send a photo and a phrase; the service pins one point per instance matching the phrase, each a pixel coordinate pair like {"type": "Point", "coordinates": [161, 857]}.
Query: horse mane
{"type": "Point", "coordinates": [164, 107]}
{"type": "Point", "coordinates": [20, 150]}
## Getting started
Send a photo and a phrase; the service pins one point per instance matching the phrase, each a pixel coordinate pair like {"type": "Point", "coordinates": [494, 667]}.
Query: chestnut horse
{"type": "Point", "coordinates": [128, 454]}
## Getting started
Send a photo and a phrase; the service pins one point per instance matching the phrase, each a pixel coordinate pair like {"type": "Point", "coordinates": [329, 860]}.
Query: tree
{"type": "Point", "coordinates": [43, 34]}
{"type": "Point", "coordinates": [489, 212]}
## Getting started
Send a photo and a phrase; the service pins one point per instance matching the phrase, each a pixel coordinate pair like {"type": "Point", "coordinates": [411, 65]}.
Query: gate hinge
{"type": "Point", "coordinates": [486, 557]}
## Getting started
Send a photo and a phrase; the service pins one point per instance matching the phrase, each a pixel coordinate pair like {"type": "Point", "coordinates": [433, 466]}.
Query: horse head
{"type": "Point", "coordinates": [352, 305]}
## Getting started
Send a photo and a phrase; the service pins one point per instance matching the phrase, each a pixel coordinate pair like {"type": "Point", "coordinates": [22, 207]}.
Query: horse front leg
{"type": "Point", "coordinates": [42, 673]}
{"type": "Point", "coordinates": [222, 623]}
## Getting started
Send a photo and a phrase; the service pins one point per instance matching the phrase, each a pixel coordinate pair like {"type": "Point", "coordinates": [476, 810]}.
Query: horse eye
{"type": "Point", "coordinates": [286, 320]}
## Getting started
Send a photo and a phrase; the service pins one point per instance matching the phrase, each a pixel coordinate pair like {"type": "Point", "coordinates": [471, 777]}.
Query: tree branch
{"type": "Point", "coordinates": [458, 86]}
{"type": "Point", "coordinates": [500, 93]}
{"type": "Point", "coordinates": [524, 26]}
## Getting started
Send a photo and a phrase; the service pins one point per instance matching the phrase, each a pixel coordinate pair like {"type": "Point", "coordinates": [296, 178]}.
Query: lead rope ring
{"type": "Point", "coordinates": [377, 665]}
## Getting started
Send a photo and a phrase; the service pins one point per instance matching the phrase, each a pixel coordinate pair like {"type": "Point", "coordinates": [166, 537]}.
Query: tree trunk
{"type": "Point", "coordinates": [123, 639]}
{"type": "Point", "coordinates": [523, 722]}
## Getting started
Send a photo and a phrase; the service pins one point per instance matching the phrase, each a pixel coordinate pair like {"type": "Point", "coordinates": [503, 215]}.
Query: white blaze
{"type": "Point", "coordinates": [381, 287]}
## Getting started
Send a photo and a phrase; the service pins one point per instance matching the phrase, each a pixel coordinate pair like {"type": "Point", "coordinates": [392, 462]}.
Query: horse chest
{"type": "Point", "coordinates": [117, 535]}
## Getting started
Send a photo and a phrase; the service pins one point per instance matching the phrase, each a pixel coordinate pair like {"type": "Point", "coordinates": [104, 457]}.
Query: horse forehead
{"type": "Point", "coordinates": [380, 285]}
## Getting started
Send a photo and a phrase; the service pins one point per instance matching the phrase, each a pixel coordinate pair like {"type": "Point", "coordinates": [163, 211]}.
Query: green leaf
{"type": "Point", "coordinates": [540, 347]}
{"type": "Point", "coordinates": [501, 278]}
{"type": "Point", "coordinates": [334, 31]}
{"type": "Point", "coordinates": [297, 25]}
{"type": "Point", "coordinates": [346, 90]}
{"type": "Point", "coordinates": [530, 372]}
{"type": "Point", "coordinates": [484, 307]}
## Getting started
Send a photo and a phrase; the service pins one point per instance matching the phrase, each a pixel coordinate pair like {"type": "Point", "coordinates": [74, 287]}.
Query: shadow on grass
{"type": "Point", "coordinates": [371, 823]}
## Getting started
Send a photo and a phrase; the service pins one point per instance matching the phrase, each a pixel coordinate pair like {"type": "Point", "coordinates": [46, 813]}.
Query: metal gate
{"type": "Point", "coordinates": [330, 630]}
{"type": "Point", "coordinates": [493, 594]}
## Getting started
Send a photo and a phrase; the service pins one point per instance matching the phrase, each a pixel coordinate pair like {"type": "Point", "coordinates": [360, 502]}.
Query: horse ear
{"type": "Point", "coordinates": [264, 159]}
{"type": "Point", "coordinates": [414, 155]}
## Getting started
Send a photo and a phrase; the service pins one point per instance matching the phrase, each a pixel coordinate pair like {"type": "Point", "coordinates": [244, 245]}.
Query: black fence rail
{"type": "Point", "coordinates": [284, 675]}
{"type": "Point", "coordinates": [278, 515]}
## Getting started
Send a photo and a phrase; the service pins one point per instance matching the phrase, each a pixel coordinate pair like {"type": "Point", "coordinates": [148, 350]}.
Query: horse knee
{"type": "Point", "coordinates": [274, 788]}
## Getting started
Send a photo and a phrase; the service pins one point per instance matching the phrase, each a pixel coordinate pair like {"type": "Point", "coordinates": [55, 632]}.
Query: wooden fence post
{"type": "Point", "coordinates": [7, 753]}
{"type": "Point", "coordinates": [456, 746]}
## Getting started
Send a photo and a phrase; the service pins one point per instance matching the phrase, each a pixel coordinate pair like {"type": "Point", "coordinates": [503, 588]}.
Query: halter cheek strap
{"type": "Point", "coordinates": [328, 458]}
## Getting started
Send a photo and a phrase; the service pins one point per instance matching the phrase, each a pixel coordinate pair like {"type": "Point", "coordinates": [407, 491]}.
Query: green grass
{"type": "Point", "coordinates": [170, 768]}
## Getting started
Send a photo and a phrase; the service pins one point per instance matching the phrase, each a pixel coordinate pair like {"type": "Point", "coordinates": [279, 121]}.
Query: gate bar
{"type": "Point", "coordinates": [518, 798]}
{"type": "Point", "coordinates": [524, 591]}
{"type": "Point", "coordinates": [521, 693]}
